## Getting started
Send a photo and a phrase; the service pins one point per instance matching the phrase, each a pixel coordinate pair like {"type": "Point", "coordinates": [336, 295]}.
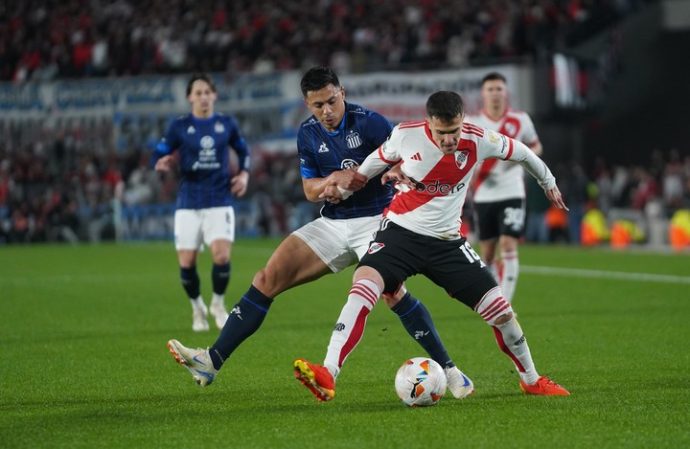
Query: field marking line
{"type": "Point", "coordinates": [602, 274]}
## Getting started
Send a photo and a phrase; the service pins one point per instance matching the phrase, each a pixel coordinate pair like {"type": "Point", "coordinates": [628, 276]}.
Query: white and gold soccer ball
{"type": "Point", "coordinates": [420, 382]}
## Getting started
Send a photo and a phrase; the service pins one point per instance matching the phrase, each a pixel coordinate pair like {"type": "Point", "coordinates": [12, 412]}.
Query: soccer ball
{"type": "Point", "coordinates": [420, 382]}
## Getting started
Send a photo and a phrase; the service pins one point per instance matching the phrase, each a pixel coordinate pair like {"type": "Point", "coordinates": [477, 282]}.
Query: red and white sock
{"type": "Point", "coordinates": [509, 335]}
{"type": "Point", "coordinates": [509, 277]}
{"type": "Point", "coordinates": [349, 328]}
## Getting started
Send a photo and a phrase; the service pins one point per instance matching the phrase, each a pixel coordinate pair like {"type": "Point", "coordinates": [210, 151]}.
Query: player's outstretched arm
{"type": "Point", "coordinates": [539, 170]}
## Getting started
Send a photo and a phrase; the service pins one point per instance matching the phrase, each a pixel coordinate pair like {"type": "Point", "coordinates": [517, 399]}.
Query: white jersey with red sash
{"type": "Point", "coordinates": [498, 180]}
{"type": "Point", "coordinates": [433, 208]}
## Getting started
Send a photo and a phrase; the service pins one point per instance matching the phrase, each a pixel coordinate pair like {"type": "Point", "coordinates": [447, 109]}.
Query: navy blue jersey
{"type": "Point", "coordinates": [322, 152]}
{"type": "Point", "coordinates": [204, 158]}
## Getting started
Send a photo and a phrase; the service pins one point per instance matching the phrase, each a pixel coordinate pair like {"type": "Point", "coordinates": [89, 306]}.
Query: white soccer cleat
{"type": "Point", "coordinates": [199, 314]}
{"type": "Point", "coordinates": [219, 313]}
{"type": "Point", "coordinates": [197, 361]}
{"type": "Point", "coordinates": [459, 385]}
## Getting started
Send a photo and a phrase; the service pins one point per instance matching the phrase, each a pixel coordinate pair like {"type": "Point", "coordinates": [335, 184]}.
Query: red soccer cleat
{"type": "Point", "coordinates": [544, 387]}
{"type": "Point", "coordinates": [316, 378]}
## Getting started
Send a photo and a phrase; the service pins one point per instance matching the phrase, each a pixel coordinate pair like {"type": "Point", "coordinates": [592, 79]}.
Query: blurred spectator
{"type": "Point", "coordinates": [43, 39]}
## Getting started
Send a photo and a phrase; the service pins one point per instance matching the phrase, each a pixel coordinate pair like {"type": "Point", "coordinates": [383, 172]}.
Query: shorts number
{"type": "Point", "coordinates": [514, 217]}
{"type": "Point", "coordinates": [470, 253]}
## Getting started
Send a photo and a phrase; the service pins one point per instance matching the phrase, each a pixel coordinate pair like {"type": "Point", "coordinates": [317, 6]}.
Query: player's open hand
{"type": "Point", "coordinates": [331, 194]}
{"type": "Point", "coordinates": [348, 179]}
{"type": "Point", "coordinates": [554, 195]}
{"type": "Point", "coordinates": [165, 164]}
{"type": "Point", "coordinates": [238, 183]}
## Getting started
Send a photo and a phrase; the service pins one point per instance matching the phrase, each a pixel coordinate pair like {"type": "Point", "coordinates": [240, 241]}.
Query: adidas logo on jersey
{"type": "Point", "coordinates": [416, 157]}
{"type": "Point", "coordinates": [323, 148]}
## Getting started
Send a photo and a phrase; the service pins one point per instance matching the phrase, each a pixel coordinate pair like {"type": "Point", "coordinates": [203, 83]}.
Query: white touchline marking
{"type": "Point", "coordinates": [620, 275]}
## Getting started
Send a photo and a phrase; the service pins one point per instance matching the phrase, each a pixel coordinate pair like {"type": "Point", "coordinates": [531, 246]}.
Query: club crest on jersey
{"type": "Point", "coordinates": [461, 158]}
{"type": "Point", "coordinates": [348, 163]}
{"type": "Point", "coordinates": [219, 128]}
{"type": "Point", "coordinates": [207, 142]}
{"type": "Point", "coordinates": [375, 247]}
{"type": "Point", "coordinates": [353, 140]}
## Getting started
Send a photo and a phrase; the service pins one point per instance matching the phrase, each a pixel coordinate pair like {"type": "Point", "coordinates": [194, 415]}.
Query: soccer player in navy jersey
{"type": "Point", "coordinates": [204, 201]}
{"type": "Point", "coordinates": [331, 144]}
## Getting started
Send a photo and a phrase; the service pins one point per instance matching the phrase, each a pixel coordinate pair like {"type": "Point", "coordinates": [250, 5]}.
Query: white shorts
{"type": "Point", "coordinates": [196, 226]}
{"type": "Point", "coordinates": [339, 243]}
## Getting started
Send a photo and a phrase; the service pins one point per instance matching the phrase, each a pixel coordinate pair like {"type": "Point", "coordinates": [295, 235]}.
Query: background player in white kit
{"type": "Point", "coordinates": [498, 186]}
{"type": "Point", "coordinates": [419, 232]}
{"type": "Point", "coordinates": [204, 211]}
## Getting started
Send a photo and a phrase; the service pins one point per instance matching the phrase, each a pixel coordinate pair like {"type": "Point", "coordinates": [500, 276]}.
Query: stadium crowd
{"type": "Point", "coordinates": [48, 39]}
{"type": "Point", "coordinates": [70, 189]}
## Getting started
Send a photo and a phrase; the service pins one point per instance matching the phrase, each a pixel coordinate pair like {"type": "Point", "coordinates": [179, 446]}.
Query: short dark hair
{"type": "Point", "coordinates": [200, 77]}
{"type": "Point", "coordinates": [493, 76]}
{"type": "Point", "coordinates": [445, 105]}
{"type": "Point", "coordinates": [317, 78]}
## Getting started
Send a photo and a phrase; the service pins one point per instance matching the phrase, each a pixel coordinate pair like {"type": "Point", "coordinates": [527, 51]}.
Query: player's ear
{"type": "Point", "coordinates": [342, 92]}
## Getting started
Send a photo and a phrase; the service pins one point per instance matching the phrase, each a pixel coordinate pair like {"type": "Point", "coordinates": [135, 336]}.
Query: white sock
{"type": "Point", "coordinates": [197, 303]}
{"type": "Point", "coordinates": [512, 341]}
{"type": "Point", "coordinates": [511, 269]}
{"type": "Point", "coordinates": [349, 328]}
{"type": "Point", "coordinates": [218, 298]}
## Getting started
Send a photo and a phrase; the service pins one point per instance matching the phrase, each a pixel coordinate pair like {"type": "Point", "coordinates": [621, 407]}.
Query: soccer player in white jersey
{"type": "Point", "coordinates": [419, 232]}
{"type": "Point", "coordinates": [204, 211]}
{"type": "Point", "coordinates": [498, 186]}
{"type": "Point", "coordinates": [338, 136]}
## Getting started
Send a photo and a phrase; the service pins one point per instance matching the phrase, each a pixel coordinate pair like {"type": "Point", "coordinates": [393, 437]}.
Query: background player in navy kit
{"type": "Point", "coordinates": [336, 139]}
{"type": "Point", "coordinates": [204, 200]}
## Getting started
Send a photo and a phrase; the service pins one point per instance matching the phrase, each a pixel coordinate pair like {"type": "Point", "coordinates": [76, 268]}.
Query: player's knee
{"type": "Point", "coordinates": [221, 259]}
{"type": "Point", "coordinates": [268, 282]}
{"type": "Point", "coordinates": [262, 280]}
{"type": "Point", "coordinates": [504, 318]}
{"type": "Point", "coordinates": [390, 300]}
{"type": "Point", "coordinates": [493, 308]}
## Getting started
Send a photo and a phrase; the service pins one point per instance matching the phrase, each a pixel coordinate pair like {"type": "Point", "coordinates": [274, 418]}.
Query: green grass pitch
{"type": "Point", "coordinates": [84, 364]}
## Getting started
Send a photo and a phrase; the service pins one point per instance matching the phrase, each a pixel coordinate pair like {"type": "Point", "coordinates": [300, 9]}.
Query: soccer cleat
{"type": "Point", "coordinates": [219, 313]}
{"type": "Point", "coordinates": [544, 387]}
{"type": "Point", "coordinates": [199, 314]}
{"type": "Point", "coordinates": [459, 385]}
{"type": "Point", "coordinates": [197, 361]}
{"type": "Point", "coordinates": [316, 378]}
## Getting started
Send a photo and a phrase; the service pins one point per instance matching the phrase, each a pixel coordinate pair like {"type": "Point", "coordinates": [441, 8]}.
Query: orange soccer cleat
{"type": "Point", "coordinates": [316, 378]}
{"type": "Point", "coordinates": [544, 387]}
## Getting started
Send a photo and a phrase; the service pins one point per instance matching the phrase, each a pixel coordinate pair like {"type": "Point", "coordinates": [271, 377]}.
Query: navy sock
{"type": "Point", "coordinates": [220, 276]}
{"type": "Point", "coordinates": [245, 318]}
{"type": "Point", "coordinates": [190, 281]}
{"type": "Point", "coordinates": [417, 321]}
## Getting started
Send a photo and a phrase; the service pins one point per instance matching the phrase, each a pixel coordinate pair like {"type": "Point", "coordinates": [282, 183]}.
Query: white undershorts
{"type": "Point", "coordinates": [339, 243]}
{"type": "Point", "coordinates": [196, 226]}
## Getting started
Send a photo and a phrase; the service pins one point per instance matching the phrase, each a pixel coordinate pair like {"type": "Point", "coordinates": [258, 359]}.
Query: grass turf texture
{"type": "Point", "coordinates": [84, 363]}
